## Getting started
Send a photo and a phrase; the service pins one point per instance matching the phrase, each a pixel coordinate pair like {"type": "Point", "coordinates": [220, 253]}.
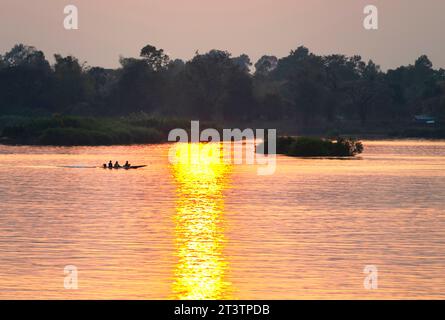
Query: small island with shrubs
{"type": "Point", "coordinates": [318, 147]}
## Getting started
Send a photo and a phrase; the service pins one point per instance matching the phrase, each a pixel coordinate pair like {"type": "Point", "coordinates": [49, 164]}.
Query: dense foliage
{"type": "Point", "coordinates": [75, 130]}
{"type": "Point", "coordinates": [304, 88]}
{"type": "Point", "coordinates": [318, 147]}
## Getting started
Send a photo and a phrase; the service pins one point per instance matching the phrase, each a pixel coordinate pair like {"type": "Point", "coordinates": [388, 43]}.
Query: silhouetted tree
{"type": "Point", "coordinates": [243, 62]}
{"type": "Point", "coordinates": [25, 78]}
{"type": "Point", "coordinates": [138, 88]}
{"type": "Point", "coordinates": [265, 65]}
{"type": "Point", "coordinates": [155, 58]}
{"type": "Point", "coordinates": [217, 87]}
{"type": "Point", "coordinates": [71, 86]}
{"type": "Point", "coordinates": [317, 91]}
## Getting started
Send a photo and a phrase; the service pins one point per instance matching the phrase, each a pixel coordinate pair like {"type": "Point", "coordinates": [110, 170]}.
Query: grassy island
{"type": "Point", "coordinates": [318, 147]}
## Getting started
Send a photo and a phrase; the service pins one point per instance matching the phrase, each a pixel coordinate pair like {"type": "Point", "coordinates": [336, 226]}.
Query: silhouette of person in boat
{"type": "Point", "coordinates": [116, 165]}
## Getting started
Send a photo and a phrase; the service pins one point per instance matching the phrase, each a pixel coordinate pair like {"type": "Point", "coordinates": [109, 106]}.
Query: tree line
{"type": "Point", "coordinates": [302, 87]}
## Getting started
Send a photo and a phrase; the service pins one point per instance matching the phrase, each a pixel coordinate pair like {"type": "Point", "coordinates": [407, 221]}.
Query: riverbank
{"type": "Point", "coordinates": [373, 130]}
{"type": "Point", "coordinates": [87, 131]}
{"type": "Point", "coordinates": [60, 130]}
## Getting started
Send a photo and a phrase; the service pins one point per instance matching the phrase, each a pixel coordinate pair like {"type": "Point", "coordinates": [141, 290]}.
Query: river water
{"type": "Point", "coordinates": [221, 231]}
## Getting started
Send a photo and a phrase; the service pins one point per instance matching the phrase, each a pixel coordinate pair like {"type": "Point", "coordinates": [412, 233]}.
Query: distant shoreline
{"type": "Point", "coordinates": [142, 129]}
{"type": "Point", "coordinates": [301, 94]}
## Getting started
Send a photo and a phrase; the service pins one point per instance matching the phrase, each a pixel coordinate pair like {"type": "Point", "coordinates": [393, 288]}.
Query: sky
{"type": "Point", "coordinates": [112, 28]}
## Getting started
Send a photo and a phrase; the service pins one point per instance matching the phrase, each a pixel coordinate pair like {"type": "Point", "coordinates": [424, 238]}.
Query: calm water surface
{"type": "Point", "coordinates": [217, 231]}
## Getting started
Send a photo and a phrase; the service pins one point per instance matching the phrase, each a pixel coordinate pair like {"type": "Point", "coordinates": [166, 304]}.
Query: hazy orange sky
{"type": "Point", "coordinates": [109, 28]}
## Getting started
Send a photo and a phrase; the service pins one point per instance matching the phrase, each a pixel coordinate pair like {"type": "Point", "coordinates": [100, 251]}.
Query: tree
{"type": "Point", "coordinates": [238, 101]}
{"type": "Point", "coordinates": [365, 91]}
{"type": "Point", "coordinates": [25, 77]}
{"type": "Point", "coordinates": [216, 87]}
{"type": "Point", "coordinates": [265, 65]}
{"type": "Point", "coordinates": [303, 77]}
{"type": "Point", "coordinates": [293, 63]}
{"type": "Point", "coordinates": [339, 70]}
{"type": "Point", "coordinates": [204, 78]}
{"type": "Point", "coordinates": [71, 86]}
{"type": "Point", "coordinates": [156, 59]}
{"type": "Point", "coordinates": [272, 107]}
{"type": "Point", "coordinates": [316, 90]}
{"type": "Point", "coordinates": [103, 82]}
{"type": "Point", "coordinates": [21, 56]}
{"type": "Point", "coordinates": [243, 63]}
{"type": "Point", "coordinates": [138, 88]}
{"type": "Point", "coordinates": [423, 62]}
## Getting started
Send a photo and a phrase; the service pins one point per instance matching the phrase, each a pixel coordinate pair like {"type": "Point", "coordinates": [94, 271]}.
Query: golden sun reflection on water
{"type": "Point", "coordinates": [201, 177]}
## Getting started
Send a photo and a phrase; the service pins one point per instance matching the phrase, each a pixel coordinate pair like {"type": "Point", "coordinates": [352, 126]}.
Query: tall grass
{"type": "Point", "coordinates": [71, 130]}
